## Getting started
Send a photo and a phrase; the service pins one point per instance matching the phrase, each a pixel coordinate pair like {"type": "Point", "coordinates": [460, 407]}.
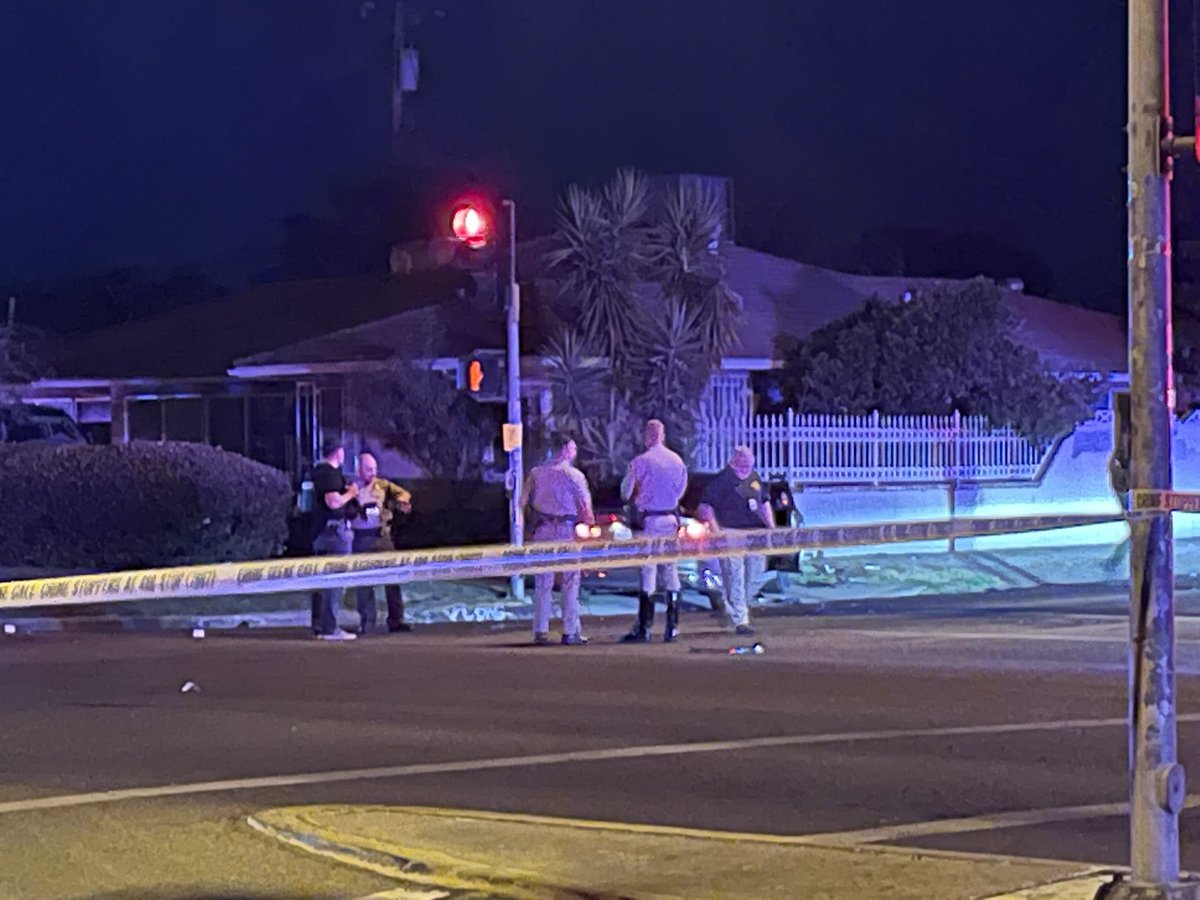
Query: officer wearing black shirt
{"type": "Point", "coordinates": [738, 499]}
{"type": "Point", "coordinates": [331, 535]}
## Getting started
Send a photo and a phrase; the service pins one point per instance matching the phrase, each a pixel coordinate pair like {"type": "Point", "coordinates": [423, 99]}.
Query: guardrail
{"type": "Point", "coordinates": [500, 560]}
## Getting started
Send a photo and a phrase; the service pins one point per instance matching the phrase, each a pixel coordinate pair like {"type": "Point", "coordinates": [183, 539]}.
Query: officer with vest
{"type": "Point", "coordinates": [654, 486]}
{"type": "Point", "coordinates": [558, 496]}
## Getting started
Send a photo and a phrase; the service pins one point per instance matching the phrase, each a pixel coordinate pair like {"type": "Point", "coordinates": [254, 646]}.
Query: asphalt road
{"type": "Point", "coordinates": [859, 718]}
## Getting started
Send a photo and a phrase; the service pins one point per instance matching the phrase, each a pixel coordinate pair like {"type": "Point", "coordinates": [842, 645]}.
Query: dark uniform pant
{"type": "Point", "coordinates": [334, 540]}
{"type": "Point", "coordinates": [374, 540]}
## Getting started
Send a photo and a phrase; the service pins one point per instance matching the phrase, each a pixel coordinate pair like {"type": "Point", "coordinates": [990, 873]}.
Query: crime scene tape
{"type": "Point", "coordinates": [1164, 501]}
{"type": "Point", "coordinates": [495, 560]}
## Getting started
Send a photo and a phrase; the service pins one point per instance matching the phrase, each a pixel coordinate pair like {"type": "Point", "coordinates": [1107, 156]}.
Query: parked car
{"type": "Point", "coordinates": [22, 423]}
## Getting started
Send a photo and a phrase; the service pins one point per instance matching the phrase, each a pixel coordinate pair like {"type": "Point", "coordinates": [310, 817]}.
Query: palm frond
{"type": "Point", "coordinates": [686, 240]}
{"type": "Point", "coordinates": [626, 200]}
{"type": "Point", "coordinates": [671, 363]}
{"type": "Point", "coordinates": [600, 260]}
{"type": "Point", "coordinates": [578, 378]}
{"type": "Point", "coordinates": [687, 262]}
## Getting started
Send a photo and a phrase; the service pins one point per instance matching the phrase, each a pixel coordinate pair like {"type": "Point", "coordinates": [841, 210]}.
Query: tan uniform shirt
{"type": "Point", "coordinates": [557, 489]}
{"type": "Point", "coordinates": [656, 480]}
{"type": "Point", "coordinates": [383, 494]}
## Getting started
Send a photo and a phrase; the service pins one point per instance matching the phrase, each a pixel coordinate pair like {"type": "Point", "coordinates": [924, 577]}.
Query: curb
{"type": "Point", "coordinates": [293, 828]}
{"type": "Point", "coordinates": [296, 827]}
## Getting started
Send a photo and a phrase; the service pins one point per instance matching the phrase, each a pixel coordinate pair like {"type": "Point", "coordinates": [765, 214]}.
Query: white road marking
{"type": "Point", "coordinates": [548, 759]}
{"type": "Point", "coordinates": [409, 894]}
{"type": "Point", "coordinates": [1048, 816]}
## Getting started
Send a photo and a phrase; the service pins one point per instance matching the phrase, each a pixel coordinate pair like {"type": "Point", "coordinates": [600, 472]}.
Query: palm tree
{"type": "Point", "coordinates": [602, 253]}
{"type": "Point", "coordinates": [587, 403]}
{"type": "Point", "coordinates": [671, 363]}
{"type": "Point", "coordinates": [685, 249]}
{"type": "Point", "coordinates": [653, 302]}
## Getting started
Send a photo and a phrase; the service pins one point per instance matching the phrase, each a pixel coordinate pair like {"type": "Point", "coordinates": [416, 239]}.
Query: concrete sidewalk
{"type": "Point", "coordinates": [480, 854]}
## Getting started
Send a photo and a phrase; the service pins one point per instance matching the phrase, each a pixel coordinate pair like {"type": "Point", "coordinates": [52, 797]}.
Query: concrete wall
{"type": "Point", "coordinates": [1076, 481]}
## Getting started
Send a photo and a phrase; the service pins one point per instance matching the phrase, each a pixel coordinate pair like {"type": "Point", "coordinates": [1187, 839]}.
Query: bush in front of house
{"type": "Point", "coordinates": [138, 505]}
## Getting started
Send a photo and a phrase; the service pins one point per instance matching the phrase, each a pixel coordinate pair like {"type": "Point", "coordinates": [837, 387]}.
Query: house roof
{"type": "Point", "coordinates": [454, 328]}
{"type": "Point", "coordinates": [784, 300]}
{"type": "Point", "coordinates": [205, 338]}
{"type": "Point", "coordinates": [450, 312]}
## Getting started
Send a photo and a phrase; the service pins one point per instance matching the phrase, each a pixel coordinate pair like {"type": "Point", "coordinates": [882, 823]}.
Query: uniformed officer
{"type": "Point", "coordinates": [737, 498]}
{"type": "Point", "coordinates": [654, 485]}
{"type": "Point", "coordinates": [378, 504]}
{"type": "Point", "coordinates": [558, 495]}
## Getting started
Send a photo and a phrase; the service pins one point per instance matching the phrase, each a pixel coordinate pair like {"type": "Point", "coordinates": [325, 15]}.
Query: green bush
{"type": "Point", "coordinates": [139, 505]}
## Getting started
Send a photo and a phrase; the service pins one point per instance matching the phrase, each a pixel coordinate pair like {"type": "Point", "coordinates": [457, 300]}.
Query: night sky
{"type": "Point", "coordinates": [160, 133]}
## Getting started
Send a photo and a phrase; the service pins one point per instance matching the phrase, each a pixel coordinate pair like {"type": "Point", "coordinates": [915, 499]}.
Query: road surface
{"type": "Point", "coordinates": [862, 722]}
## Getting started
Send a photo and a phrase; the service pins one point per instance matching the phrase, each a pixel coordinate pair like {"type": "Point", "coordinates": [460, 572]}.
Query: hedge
{"type": "Point", "coordinates": [139, 505]}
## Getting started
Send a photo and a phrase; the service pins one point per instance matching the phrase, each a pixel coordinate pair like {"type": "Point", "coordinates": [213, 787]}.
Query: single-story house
{"type": "Point", "coordinates": [261, 371]}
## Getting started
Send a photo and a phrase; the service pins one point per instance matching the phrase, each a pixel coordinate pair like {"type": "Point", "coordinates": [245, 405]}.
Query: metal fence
{"type": "Point", "coordinates": [874, 449]}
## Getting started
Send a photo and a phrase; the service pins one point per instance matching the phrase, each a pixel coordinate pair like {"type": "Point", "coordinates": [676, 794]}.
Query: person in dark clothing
{"type": "Point", "coordinates": [738, 499]}
{"type": "Point", "coordinates": [331, 535]}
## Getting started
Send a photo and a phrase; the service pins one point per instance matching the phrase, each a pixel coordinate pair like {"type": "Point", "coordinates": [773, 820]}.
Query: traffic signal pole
{"type": "Point", "coordinates": [1157, 787]}
{"type": "Point", "coordinates": [516, 472]}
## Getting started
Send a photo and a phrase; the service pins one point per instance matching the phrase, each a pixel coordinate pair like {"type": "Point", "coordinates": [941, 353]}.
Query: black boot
{"type": "Point", "coordinates": [395, 609]}
{"type": "Point", "coordinates": [645, 620]}
{"type": "Point", "coordinates": [672, 617]}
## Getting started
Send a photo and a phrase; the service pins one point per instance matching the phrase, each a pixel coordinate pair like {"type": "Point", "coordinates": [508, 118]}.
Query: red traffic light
{"type": "Point", "coordinates": [471, 225]}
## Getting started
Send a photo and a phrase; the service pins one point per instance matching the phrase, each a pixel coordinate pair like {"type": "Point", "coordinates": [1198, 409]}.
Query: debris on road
{"type": "Point", "coordinates": [756, 649]}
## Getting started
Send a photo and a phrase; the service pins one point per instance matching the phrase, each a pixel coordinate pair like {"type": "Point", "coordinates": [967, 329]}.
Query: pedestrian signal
{"type": "Point", "coordinates": [482, 375]}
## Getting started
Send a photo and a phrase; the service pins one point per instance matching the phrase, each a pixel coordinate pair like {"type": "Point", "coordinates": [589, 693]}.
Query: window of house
{"type": "Point", "coordinates": [184, 419]}
{"type": "Point", "coordinates": [226, 423]}
{"type": "Point", "coordinates": [271, 430]}
{"type": "Point", "coordinates": [145, 420]}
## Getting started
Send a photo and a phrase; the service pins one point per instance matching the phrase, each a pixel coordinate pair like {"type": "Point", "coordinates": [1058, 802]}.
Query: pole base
{"type": "Point", "coordinates": [1121, 888]}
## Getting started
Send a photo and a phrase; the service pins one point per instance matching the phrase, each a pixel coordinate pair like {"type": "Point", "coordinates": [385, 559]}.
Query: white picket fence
{"type": "Point", "coordinates": [827, 449]}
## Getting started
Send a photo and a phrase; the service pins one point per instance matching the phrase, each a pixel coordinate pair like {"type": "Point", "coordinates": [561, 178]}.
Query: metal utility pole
{"type": "Point", "coordinates": [515, 438]}
{"type": "Point", "coordinates": [398, 15]}
{"type": "Point", "coordinates": [406, 73]}
{"type": "Point", "coordinates": [1157, 780]}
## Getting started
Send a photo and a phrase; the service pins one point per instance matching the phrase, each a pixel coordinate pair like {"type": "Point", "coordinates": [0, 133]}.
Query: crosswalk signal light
{"type": "Point", "coordinates": [474, 376]}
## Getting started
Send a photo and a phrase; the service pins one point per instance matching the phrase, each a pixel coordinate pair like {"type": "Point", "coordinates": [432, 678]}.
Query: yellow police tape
{"type": "Point", "coordinates": [497, 560]}
{"type": "Point", "coordinates": [1164, 501]}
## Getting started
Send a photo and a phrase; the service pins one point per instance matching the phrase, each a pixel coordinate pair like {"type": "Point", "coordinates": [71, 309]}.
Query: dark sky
{"type": "Point", "coordinates": [154, 132]}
